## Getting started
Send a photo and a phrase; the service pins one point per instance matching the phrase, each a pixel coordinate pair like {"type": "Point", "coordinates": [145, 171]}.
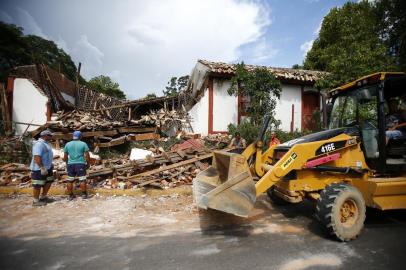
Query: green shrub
{"type": "Point", "coordinates": [247, 130]}
{"type": "Point", "coordinates": [250, 132]}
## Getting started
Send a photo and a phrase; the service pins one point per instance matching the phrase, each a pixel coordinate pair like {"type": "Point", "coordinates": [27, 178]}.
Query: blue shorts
{"type": "Point", "coordinates": [395, 134]}
{"type": "Point", "coordinates": [76, 170]}
{"type": "Point", "coordinates": [38, 180]}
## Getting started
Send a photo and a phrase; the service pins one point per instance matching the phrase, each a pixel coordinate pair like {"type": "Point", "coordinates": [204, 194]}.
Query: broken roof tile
{"type": "Point", "coordinates": [280, 73]}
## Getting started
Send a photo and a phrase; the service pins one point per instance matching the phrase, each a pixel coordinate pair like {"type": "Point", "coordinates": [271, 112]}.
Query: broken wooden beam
{"type": "Point", "coordinates": [172, 166]}
{"type": "Point", "coordinates": [144, 137]}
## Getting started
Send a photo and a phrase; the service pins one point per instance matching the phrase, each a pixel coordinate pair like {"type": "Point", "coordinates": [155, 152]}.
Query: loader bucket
{"type": "Point", "coordinates": [226, 186]}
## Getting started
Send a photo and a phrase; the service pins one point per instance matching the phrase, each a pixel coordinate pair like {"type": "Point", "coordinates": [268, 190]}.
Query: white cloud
{"type": "Point", "coordinates": [167, 37]}
{"type": "Point", "coordinates": [142, 44]}
{"type": "Point", "coordinates": [90, 56]}
{"type": "Point", "coordinates": [4, 17]}
{"type": "Point", "coordinates": [28, 23]}
{"type": "Point", "coordinates": [306, 46]}
{"type": "Point", "coordinates": [262, 51]}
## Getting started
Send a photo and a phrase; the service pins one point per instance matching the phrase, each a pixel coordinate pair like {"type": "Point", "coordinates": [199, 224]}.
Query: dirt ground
{"type": "Point", "coordinates": [123, 216]}
{"type": "Point", "coordinates": [169, 232]}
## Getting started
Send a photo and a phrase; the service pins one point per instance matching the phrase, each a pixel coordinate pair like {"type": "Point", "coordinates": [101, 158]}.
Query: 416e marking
{"type": "Point", "coordinates": [328, 148]}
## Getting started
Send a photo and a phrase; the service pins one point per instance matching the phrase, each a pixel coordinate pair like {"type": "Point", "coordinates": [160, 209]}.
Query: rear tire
{"type": "Point", "coordinates": [274, 198]}
{"type": "Point", "coordinates": [341, 210]}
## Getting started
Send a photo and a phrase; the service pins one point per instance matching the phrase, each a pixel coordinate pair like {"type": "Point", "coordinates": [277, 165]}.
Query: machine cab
{"type": "Point", "coordinates": [376, 106]}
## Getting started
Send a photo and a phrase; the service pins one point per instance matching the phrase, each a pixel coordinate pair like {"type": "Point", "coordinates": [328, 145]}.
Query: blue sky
{"type": "Point", "coordinates": [141, 44]}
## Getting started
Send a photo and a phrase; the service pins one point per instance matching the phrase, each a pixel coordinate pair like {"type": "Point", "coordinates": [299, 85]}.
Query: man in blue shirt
{"type": "Point", "coordinates": [42, 168]}
{"type": "Point", "coordinates": [77, 157]}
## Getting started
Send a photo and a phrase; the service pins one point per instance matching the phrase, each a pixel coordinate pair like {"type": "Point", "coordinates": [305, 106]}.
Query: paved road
{"type": "Point", "coordinates": [178, 237]}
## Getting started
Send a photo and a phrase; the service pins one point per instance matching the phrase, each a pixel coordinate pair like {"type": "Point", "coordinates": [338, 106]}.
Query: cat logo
{"type": "Point", "coordinates": [289, 161]}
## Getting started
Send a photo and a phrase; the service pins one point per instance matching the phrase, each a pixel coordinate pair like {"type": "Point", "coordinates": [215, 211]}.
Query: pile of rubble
{"type": "Point", "coordinates": [155, 167]}
{"type": "Point", "coordinates": [163, 118]}
{"type": "Point", "coordinates": [164, 170]}
{"type": "Point", "coordinates": [80, 120]}
{"type": "Point", "coordinates": [101, 132]}
{"type": "Point", "coordinates": [13, 149]}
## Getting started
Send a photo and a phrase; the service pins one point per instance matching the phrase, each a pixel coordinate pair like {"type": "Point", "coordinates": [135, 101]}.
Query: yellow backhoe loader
{"type": "Point", "coordinates": [353, 164]}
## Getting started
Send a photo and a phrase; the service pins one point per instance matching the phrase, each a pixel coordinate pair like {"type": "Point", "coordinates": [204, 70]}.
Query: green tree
{"type": "Point", "coordinates": [261, 86]}
{"type": "Point", "coordinates": [17, 49]}
{"type": "Point", "coordinates": [105, 85]}
{"type": "Point", "coordinates": [175, 85]}
{"type": "Point", "coordinates": [297, 66]}
{"type": "Point", "coordinates": [47, 52]}
{"type": "Point", "coordinates": [349, 45]}
{"type": "Point", "coordinates": [150, 95]}
{"type": "Point", "coordinates": [392, 16]}
{"type": "Point", "coordinates": [13, 48]}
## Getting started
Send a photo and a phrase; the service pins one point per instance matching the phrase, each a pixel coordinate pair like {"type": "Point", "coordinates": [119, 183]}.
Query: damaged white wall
{"type": "Point", "coordinates": [290, 94]}
{"type": "Point", "coordinates": [200, 115]}
{"type": "Point", "coordinates": [225, 107]}
{"type": "Point", "coordinates": [29, 105]}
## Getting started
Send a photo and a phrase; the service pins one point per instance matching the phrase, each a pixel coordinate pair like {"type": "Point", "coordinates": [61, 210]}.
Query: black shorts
{"type": "Point", "coordinates": [76, 170]}
{"type": "Point", "coordinates": [38, 180]}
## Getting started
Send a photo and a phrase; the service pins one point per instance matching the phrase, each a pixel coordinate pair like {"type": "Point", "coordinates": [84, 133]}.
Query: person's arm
{"type": "Point", "coordinates": [86, 154]}
{"type": "Point", "coordinates": [398, 126]}
{"type": "Point", "coordinates": [244, 143]}
{"type": "Point", "coordinates": [38, 161]}
{"type": "Point", "coordinates": [231, 145]}
{"type": "Point", "coordinates": [87, 157]}
{"type": "Point", "coordinates": [65, 153]}
{"type": "Point", "coordinates": [37, 151]}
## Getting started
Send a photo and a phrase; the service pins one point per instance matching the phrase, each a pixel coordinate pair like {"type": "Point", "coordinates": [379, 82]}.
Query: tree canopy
{"type": "Point", "coordinates": [105, 85]}
{"type": "Point", "coordinates": [350, 44]}
{"type": "Point", "coordinates": [16, 49]}
{"type": "Point", "coordinates": [392, 19]}
{"type": "Point", "coordinates": [261, 86]}
{"type": "Point", "coordinates": [175, 85]}
{"type": "Point", "coordinates": [150, 95]}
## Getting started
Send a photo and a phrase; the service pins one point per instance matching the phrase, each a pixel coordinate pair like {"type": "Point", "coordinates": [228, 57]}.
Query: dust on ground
{"type": "Point", "coordinates": [123, 216]}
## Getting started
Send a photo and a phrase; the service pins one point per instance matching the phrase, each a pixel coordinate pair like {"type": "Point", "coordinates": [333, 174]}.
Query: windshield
{"type": "Point", "coordinates": [355, 107]}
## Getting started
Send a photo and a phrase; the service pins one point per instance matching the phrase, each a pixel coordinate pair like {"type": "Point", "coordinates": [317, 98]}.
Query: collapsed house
{"type": "Point", "coordinates": [39, 97]}
{"type": "Point", "coordinates": [213, 109]}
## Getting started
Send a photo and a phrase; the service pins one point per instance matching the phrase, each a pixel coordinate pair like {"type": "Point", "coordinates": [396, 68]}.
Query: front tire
{"type": "Point", "coordinates": [341, 210]}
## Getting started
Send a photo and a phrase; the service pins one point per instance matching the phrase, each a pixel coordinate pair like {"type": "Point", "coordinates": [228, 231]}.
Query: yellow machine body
{"type": "Point", "coordinates": [228, 184]}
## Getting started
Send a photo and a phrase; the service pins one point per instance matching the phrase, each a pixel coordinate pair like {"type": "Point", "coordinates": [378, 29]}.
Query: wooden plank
{"type": "Point", "coordinates": [172, 166]}
{"type": "Point", "coordinates": [144, 137]}
{"type": "Point", "coordinates": [181, 154]}
{"type": "Point", "coordinates": [136, 129]}
{"type": "Point", "coordinates": [114, 142]}
{"type": "Point", "coordinates": [148, 182]}
{"type": "Point", "coordinates": [101, 172]}
{"type": "Point", "coordinates": [68, 136]}
{"type": "Point", "coordinates": [6, 114]}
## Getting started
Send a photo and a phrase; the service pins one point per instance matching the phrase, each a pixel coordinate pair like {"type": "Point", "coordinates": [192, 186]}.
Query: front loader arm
{"type": "Point", "coordinates": [296, 158]}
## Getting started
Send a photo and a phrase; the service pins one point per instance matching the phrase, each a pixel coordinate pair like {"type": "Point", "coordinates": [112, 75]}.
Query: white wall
{"type": "Point", "coordinates": [29, 105]}
{"type": "Point", "coordinates": [291, 94]}
{"type": "Point", "coordinates": [200, 114]}
{"type": "Point", "coordinates": [225, 107]}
